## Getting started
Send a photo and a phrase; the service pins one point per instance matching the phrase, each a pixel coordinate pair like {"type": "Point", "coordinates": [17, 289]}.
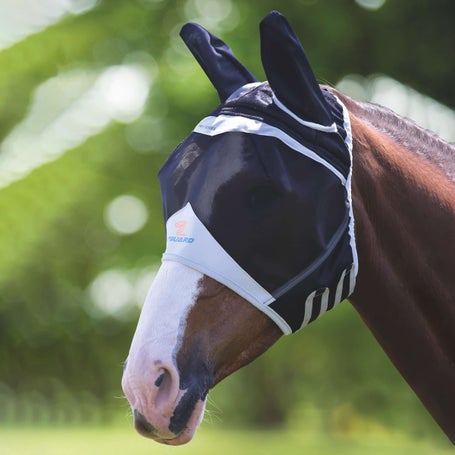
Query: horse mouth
{"type": "Point", "coordinates": [181, 426]}
{"type": "Point", "coordinates": [183, 438]}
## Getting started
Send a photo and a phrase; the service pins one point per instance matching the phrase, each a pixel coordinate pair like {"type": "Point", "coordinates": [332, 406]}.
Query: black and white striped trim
{"type": "Point", "coordinates": [322, 300]}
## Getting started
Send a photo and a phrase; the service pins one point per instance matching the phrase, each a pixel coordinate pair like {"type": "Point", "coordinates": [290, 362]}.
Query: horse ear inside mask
{"type": "Point", "coordinates": [258, 196]}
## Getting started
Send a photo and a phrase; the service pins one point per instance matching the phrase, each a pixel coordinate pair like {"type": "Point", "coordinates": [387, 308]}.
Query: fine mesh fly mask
{"type": "Point", "coordinates": [258, 196]}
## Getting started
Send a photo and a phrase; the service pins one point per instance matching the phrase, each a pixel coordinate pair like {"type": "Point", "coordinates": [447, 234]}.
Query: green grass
{"type": "Point", "coordinates": [122, 440]}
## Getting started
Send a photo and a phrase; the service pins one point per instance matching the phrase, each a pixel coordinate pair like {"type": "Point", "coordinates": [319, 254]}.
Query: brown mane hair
{"type": "Point", "coordinates": [405, 132]}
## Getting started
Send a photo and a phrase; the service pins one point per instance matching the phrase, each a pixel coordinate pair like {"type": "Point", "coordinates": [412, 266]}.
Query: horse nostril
{"type": "Point", "coordinates": [159, 380]}
{"type": "Point", "coordinates": [142, 425]}
{"type": "Point", "coordinates": [167, 385]}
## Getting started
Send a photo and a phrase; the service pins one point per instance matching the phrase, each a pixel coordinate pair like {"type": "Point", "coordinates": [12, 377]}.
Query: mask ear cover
{"type": "Point", "coordinates": [289, 73]}
{"type": "Point", "coordinates": [217, 60]}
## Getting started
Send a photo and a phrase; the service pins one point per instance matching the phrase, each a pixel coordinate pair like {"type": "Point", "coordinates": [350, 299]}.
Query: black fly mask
{"type": "Point", "coordinates": [258, 196]}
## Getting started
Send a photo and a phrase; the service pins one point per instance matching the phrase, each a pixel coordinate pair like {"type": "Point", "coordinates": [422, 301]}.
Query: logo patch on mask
{"type": "Point", "coordinates": [180, 235]}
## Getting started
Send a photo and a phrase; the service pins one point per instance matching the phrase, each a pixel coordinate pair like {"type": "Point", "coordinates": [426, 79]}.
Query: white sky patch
{"type": "Point", "coordinates": [371, 5]}
{"type": "Point", "coordinates": [68, 109]}
{"type": "Point", "coordinates": [213, 14]}
{"type": "Point", "coordinates": [126, 214]}
{"type": "Point", "coordinates": [403, 100]}
{"type": "Point", "coordinates": [124, 89]}
{"type": "Point", "coordinates": [21, 18]}
{"type": "Point", "coordinates": [145, 134]}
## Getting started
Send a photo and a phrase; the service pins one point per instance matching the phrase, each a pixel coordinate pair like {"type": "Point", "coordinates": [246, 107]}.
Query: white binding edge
{"type": "Point", "coordinates": [214, 125]}
{"type": "Point", "coordinates": [261, 306]}
{"type": "Point", "coordinates": [314, 126]}
{"type": "Point", "coordinates": [348, 142]}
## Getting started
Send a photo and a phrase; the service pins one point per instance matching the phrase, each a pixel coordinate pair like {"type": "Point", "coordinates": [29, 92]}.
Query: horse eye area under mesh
{"type": "Point", "coordinates": [261, 197]}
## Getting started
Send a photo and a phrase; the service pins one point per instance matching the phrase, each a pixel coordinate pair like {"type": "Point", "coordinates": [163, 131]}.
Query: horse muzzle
{"type": "Point", "coordinates": [146, 429]}
{"type": "Point", "coordinates": [162, 410]}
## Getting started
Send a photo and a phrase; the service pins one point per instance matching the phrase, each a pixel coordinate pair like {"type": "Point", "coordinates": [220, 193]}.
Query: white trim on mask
{"type": "Point", "coordinates": [309, 305]}
{"type": "Point", "coordinates": [314, 126]}
{"type": "Point", "coordinates": [189, 242]}
{"type": "Point", "coordinates": [212, 126]}
{"type": "Point", "coordinates": [348, 142]}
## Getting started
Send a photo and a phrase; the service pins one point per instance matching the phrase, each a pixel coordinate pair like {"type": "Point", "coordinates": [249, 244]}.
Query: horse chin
{"type": "Point", "coordinates": [192, 425]}
{"type": "Point", "coordinates": [183, 436]}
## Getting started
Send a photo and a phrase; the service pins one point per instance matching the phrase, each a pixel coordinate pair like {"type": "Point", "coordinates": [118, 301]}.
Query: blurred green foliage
{"type": "Point", "coordinates": [117, 440]}
{"type": "Point", "coordinates": [61, 356]}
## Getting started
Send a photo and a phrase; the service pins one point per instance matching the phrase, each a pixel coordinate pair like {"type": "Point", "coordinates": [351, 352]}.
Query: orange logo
{"type": "Point", "coordinates": [180, 228]}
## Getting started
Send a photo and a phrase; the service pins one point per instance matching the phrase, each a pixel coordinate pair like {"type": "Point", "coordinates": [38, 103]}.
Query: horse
{"type": "Point", "coordinates": [287, 199]}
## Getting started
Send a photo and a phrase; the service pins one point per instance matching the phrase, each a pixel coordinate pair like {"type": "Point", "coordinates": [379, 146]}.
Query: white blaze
{"type": "Point", "coordinates": [158, 334]}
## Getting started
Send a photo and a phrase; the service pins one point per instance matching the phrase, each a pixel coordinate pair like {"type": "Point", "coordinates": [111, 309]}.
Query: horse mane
{"type": "Point", "coordinates": [404, 131]}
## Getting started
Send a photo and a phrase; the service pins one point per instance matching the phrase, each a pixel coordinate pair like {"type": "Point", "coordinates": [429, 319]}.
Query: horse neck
{"type": "Point", "coordinates": [404, 209]}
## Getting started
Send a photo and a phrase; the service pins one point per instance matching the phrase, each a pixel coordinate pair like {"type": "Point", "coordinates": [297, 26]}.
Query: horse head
{"type": "Point", "coordinates": [259, 230]}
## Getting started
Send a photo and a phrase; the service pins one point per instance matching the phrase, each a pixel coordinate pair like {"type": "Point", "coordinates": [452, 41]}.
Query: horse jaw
{"type": "Point", "coordinates": [224, 332]}
{"type": "Point", "coordinates": [163, 410]}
